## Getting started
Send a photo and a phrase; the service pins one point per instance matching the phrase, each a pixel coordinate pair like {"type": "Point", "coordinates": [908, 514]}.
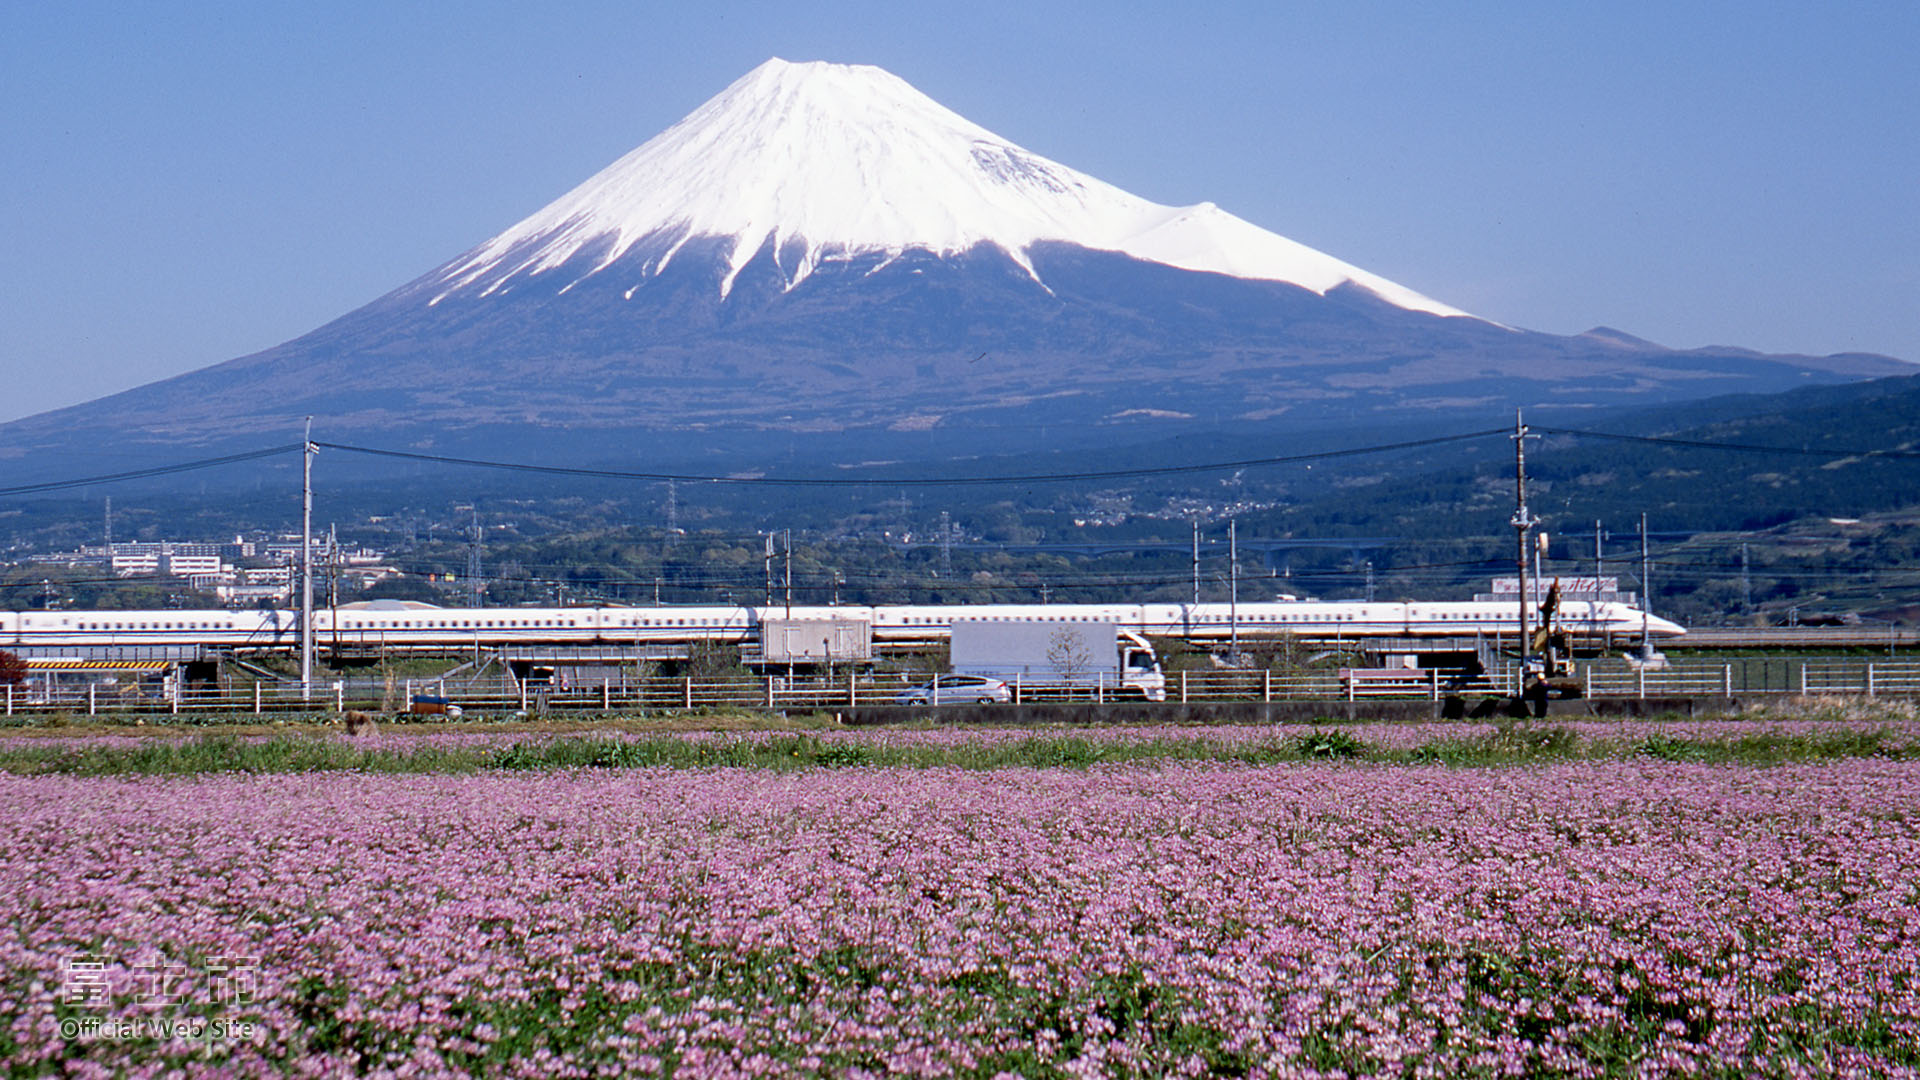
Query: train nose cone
{"type": "Point", "coordinates": [1658, 625]}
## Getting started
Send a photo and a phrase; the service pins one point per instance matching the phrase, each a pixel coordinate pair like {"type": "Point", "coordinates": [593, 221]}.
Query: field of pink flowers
{"type": "Point", "coordinates": [1628, 917]}
{"type": "Point", "coordinates": [1899, 728]}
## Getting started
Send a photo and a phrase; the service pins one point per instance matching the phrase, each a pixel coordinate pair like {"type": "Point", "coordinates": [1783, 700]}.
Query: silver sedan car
{"type": "Point", "coordinates": [955, 690]}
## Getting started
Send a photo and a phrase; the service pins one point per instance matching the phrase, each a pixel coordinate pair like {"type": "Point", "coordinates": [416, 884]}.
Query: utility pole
{"type": "Point", "coordinates": [1369, 581]}
{"type": "Point", "coordinates": [1599, 560]}
{"type": "Point", "coordinates": [673, 507]}
{"type": "Point", "coordinates": [1523, 523]}
{"type": "Point", "coordinates": [109, 524]}
{"type": "Point", "coordinates": [1646, 589]}
{"type": "Point", "coordinates": [306, 562]}
{"type": "Point", "coordinates": [1233, 585]}
{"type": "Point", "coordinates": [789, 573]}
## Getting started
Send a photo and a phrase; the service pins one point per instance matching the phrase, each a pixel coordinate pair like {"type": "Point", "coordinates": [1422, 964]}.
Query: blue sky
{"type": "Point", "coordinates": [189, 182]}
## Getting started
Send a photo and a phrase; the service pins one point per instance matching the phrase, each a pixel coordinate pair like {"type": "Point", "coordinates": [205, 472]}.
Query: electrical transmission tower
{"type": "Point", "coordinates": [474, 582]}
{"type": "Point", "coordinates": [946, 545]}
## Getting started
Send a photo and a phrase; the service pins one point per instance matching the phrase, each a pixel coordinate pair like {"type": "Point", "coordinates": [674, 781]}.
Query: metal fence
{"type": "Point", "coordinates": [1600, 679]}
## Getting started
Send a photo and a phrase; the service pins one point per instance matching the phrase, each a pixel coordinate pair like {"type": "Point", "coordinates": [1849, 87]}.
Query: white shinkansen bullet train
{"type": "Point", "coordinates": [414, 626]}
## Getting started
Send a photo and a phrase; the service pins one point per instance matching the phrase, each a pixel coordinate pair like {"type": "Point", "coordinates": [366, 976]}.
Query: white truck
{"type": "Point", "coordinates": [1046, 658]}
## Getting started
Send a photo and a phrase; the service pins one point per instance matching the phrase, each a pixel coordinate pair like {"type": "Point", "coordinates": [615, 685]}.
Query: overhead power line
{"type": "Point", "coordinates": [142, 474]}
{"type": "Point", "coordinates": [1747, 448]}
{"type": "Point", "coordinates": [949, 481]}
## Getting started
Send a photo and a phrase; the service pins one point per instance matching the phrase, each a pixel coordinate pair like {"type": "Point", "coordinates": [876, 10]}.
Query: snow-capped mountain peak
{"type": "Point", "coordinates": [826, 161]}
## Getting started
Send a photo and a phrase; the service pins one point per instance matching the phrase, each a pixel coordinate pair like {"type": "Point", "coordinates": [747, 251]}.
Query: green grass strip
{"type": "Point", "coordinates": [1519, 744]}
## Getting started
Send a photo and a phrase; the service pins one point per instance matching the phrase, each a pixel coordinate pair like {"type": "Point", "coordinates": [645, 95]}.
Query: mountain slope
{"type": "Point", "coordinates": [822, 249]}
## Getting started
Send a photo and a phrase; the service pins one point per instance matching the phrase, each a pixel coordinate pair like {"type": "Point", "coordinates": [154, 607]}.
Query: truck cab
{"type": "Point", "coordinates": [1140, 668]}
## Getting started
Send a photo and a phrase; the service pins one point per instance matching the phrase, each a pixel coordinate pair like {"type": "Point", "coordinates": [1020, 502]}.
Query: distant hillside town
{"type": "Point", "coordinates": [261, 571]}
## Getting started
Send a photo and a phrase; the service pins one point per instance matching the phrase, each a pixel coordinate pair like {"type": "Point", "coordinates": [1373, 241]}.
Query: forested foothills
{"type": "Point", "coordinates": [1758, 509]}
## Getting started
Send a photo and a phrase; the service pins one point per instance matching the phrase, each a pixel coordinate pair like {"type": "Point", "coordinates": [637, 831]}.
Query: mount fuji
{"type": "Point", "coordinates": [807, 164]}
{"type": "Point", "coordinates": [822, 250]}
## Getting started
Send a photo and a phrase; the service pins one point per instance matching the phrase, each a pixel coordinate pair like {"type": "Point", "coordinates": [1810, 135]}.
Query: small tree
{"type": "Point", "coordinates": [13, 670]}
{"type": "Point", "coordinates": [1067, 653]}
